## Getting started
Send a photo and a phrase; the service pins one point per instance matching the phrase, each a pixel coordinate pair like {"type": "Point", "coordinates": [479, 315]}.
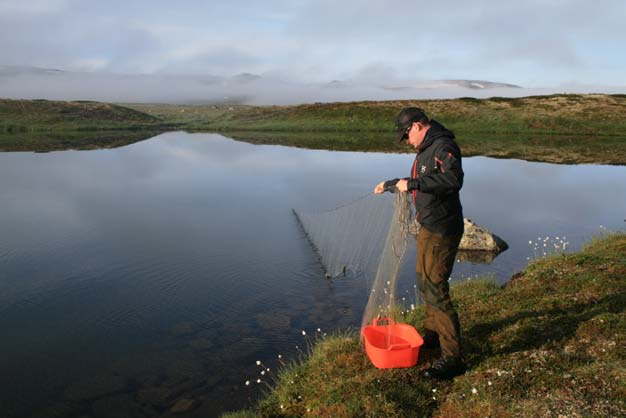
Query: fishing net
{"type": "Point", "coordinates": [366, 238]}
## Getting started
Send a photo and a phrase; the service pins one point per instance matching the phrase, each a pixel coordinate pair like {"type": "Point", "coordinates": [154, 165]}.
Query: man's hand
{"type": "Point", "coordinates": [380, 188]}
{"type": "Point", "coordinates": [402, 185]}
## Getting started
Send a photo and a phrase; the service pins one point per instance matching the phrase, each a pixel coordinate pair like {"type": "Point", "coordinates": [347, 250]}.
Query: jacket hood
{"type": "Point", "coordinates": [435, 131]}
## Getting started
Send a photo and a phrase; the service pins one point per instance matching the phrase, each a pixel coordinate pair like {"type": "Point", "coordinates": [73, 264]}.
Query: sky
{"type": "Point", "coordinates": [534, 43]}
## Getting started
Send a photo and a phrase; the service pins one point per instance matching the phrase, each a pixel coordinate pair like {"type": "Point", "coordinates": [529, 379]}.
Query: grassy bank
{"type": "Point", "coordinates": [597, 115]}
{"type": "Point", "coordinates": [45, 125]}
{"type": "Point", "coordinates": [32, 116]}
{"type": "Point", "coordinates": [550, 344]}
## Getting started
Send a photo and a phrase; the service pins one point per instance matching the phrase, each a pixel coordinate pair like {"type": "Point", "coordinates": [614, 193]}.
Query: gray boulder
{"type": "Point", "coordinates": [475, 238]}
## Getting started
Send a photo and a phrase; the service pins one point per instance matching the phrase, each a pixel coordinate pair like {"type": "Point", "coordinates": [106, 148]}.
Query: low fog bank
{"type": "Point", "coordinates": [33, 83]}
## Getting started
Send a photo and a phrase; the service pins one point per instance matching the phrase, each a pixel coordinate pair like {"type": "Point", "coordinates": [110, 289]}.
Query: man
{"type": "Point", "coordinates": [436, 178]}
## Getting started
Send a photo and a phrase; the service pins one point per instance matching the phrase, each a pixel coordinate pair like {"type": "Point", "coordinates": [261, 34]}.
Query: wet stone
{"type": "Point", "coordinates": [119, 406]}
{"type": "Point", "coordinates": [183, 405]}
{"type": "Point", "coordinates": [277, 322]}
{"type": "Point", "coordinates": [96, 387]}
{"type": "Point", "coordinates": [183, 329]}
{"type": "Point", "coordinates": [161, 396]}
{"type": "Point", "coordinates": [201, 344]}
{"type": "Point", "coordinates": [59, 410]}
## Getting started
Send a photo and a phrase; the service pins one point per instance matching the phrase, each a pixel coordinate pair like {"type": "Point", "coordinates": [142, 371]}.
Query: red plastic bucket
{"type": "Point", "coordinates": [389, 345]}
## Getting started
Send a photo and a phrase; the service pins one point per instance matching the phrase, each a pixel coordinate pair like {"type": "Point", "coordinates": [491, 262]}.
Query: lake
{"type": "Point", "coordinates": [133, 277]}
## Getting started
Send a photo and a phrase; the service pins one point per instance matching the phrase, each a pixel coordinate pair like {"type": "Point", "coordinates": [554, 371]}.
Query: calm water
{"type": "Point", "coordinates": [133, 277]}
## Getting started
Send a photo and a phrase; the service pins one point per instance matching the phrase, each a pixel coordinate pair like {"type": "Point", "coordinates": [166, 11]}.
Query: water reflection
{"type": "Point", "coordinates": [133, 277]}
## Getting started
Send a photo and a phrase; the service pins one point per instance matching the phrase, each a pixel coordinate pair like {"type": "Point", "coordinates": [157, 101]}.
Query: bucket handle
{"type": "Point", "coordinates": [398, 346]}
{"type": "Point", "coordinates": [389, 321]}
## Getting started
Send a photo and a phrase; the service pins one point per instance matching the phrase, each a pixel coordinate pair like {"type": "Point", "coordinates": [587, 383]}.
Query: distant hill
{"type": "Point", "coordinates": [47, 115]}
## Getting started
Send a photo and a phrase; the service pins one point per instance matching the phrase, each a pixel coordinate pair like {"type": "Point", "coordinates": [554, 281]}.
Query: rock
{"type": "Point", "coordinates": [183, 329]}
{"type": "Point", "coordinates": [158, 396]}
{"type": "Point", "coordinates": [183, 405]}
{"type": "Point", "coordinates": [58, 410]}
{"type": "Point", "coordinates": [201, 344]}
{"type": "Point", "coordinates": [274, 321]}
{"type": "Point", "coordinates": [96, 387]}
{"type": "Point", "coordinates": [118, 406]}
{"type": "Point", "coordinates": [474, 238]}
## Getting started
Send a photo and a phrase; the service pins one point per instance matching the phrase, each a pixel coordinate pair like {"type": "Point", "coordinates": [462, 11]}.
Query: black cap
{"type": "Point", "coordinates": [405, 118]}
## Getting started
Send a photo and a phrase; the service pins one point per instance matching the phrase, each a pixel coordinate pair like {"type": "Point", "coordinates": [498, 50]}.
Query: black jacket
{"type": "Point", "coordinates": [436, 178]}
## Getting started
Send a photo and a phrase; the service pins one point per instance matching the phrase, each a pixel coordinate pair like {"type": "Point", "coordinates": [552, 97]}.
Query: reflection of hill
{"type": "Point", "coordinates": [47, 141]}
{"type": "Point", "coordinates": [546, 148]}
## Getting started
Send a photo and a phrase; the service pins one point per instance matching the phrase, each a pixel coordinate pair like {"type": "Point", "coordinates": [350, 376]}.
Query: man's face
{"type": "Point", "coordinates": [416, 134]}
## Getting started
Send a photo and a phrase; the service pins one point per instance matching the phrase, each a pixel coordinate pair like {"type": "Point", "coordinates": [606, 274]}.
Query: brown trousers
{"type": "Point", "coordinates": [435, 258]}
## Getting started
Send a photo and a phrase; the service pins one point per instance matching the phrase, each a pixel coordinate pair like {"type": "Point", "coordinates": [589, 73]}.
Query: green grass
{"type": "Point", "coordinates": [21, 116]}
{"type": "Point", "coordinates": [597, 115]}
{"type": "Point", "coordinates": [550, 343]}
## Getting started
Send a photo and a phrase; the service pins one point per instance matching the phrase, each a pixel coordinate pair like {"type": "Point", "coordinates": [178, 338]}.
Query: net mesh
{"type": "Point", "coordinates": [368, 238]}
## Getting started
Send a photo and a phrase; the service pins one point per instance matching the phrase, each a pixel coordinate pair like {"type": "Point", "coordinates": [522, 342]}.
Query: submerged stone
{"type": "Point", "coordinates": [183, 405]}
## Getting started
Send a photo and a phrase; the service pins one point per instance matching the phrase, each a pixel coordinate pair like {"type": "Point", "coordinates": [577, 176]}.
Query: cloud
{"type": "Point", "coordinates": [533, 42]}
{"type": "Point", "coordinates": [31, 7]}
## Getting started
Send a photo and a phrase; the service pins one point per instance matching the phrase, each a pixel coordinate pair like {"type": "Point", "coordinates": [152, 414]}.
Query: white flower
{"type": "Point", "coordinates": [247, 383]}
{"type": "Point", "coordinates": [262, 372]}
{"type": "Point", "coordinates": [489, 383]}
{"type": "Point", "coordinates": [530, 242]}
{"type": "Point", "coordinates": [258, 362]}
{"type": "Point", "coordinates": [474, 391]}
{"type": "Point", "coordinates": [282, 406]}
{"type": "Point", "coordinates": [280, 356]}
{"type": "Point", "coordinates": [319, 330]}
{"type": "Point", "coordinates": [268, 369]}
{"type": "Point", "coordinates": [303, 332]}
{"type": "Point", "coordinates": [434, 390]}
{"type": "Point", "coordinates": [258, 380]}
